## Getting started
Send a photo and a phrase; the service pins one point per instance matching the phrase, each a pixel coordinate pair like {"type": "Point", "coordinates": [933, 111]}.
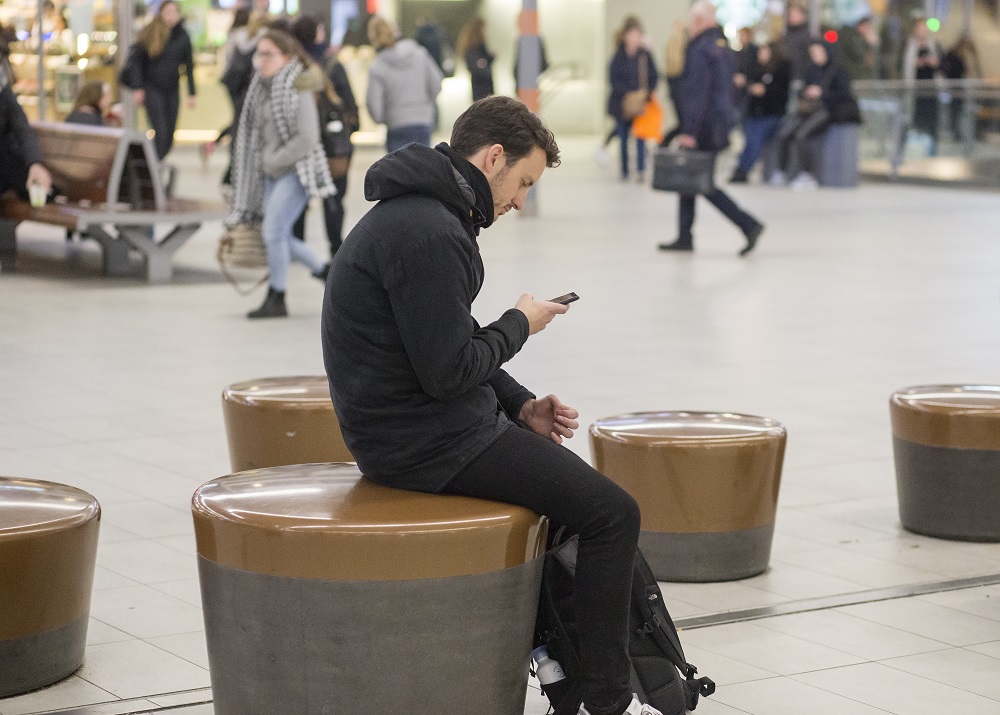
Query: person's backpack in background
{"type": "Point", "coordinates": [661, 675]}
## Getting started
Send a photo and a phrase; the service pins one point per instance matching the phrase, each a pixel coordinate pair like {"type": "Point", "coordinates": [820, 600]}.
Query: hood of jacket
{"type": "Point", "coordinates": [311, 79]}
{"type": "Point", "coordinates": [401, 55]}
{"type": "Point", "coordinates": [439, 173]}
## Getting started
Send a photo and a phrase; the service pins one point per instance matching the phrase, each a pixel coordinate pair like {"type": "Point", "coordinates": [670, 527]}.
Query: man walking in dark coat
{"type": "Point", "coordinates": [419, 387]}
{"type": "Point", "coordinates": [706, 119]}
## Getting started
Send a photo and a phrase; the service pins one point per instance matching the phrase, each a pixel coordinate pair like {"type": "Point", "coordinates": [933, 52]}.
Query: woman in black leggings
{"type": "Point", "coordinates": [164, 46]}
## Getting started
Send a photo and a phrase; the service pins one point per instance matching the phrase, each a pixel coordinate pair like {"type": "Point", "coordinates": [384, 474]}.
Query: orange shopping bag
{"type": "Point", "coordinates": [649, 124]}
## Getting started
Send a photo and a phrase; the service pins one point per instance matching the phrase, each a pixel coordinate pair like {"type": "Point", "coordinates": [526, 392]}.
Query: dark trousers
{"type": "Point", "coordinates": [720, 200]}
{"type": "Point", "coordinates": [525, 469]}
{"type": "Point", "coordinates": [333, 216]}
{"type": "Point", "coordinates": [411, 134]}
{"type": "Point", "coordinates": [795, 153]}
{"type": "Point", "coordinates": [162, 109]}
{"type": "Point", "coordinates": [624, 130]}
{"type": "Point", "coordinates": [757, 132]}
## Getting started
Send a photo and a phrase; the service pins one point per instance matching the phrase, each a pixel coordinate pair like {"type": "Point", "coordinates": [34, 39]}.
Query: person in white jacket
{"type": "Point", "coordinates": [403, 83]}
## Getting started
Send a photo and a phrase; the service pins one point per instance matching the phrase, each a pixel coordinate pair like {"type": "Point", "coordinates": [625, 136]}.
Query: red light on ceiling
{"type": "Point", "coordinates": [831, 36]}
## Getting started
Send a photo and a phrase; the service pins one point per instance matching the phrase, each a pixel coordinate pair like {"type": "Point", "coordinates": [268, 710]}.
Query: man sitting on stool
{"type": "Point", "coordinates": [418, 385]}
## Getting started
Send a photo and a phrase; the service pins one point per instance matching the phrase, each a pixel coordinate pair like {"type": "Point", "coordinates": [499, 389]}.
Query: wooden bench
{"type": "Point", "coordinates": [109, 188]}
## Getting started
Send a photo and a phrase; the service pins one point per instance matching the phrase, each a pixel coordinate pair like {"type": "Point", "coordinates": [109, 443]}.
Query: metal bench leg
{"type": "Point", "coordinates": [114, 253]}
{"type": "Point", "coordinates": [8, 246]}
{"type": "Point", "coordinates": [159, 268]}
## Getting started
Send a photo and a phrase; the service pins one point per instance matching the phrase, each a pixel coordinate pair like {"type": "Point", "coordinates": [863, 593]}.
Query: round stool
{"type": "Point", "coordinates": [946, 440]}
{"type": "Point", "coordinates": [48, 546]}
{"type": "Point", "coordinates": [326, 593]}
{"type": "Point", "coordinates": [707, 486]}
{"type": "Point", "coordinates": [282, 420]}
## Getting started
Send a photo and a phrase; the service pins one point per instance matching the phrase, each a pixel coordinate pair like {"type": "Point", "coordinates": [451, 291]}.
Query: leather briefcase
{"type": "Point", "coordinates": [684, 171]}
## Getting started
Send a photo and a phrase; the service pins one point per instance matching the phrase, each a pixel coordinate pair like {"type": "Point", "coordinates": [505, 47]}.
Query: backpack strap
{"type": "Point", "coordinates": [660, 626]}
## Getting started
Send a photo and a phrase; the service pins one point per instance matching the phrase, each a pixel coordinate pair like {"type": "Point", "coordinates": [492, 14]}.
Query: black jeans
{"type": "Point", "coordinates": [525, 469]}
{"type": "Point", "coordinates": [795, 152]}
{"type": "Point", "coordinates": [333, 216]}
{"type": "Point", "coordinates": [720, 200]}
{"type": "Point", "coordinates": [162, 109]}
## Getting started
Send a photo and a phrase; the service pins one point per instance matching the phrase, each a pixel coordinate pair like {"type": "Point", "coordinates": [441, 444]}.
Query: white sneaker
{"type": "Point", "coordinates": [777, 179]}
{"type": "Point", "coordinates": [634, 708]}
{"type": "Point", "coordinates": [804, 182]}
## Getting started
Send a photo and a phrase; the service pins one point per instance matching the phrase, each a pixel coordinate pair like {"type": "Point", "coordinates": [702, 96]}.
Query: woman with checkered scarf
{"type": "Point", "coordinates": [279, 162]}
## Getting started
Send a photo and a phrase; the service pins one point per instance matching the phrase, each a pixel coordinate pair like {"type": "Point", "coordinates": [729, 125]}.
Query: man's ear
{"type": "Point", "coordinates": [495, 159]}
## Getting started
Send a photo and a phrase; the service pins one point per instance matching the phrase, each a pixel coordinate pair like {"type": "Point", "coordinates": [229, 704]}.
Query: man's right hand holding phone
{"type": "Point", "coordinates": [538, 312]}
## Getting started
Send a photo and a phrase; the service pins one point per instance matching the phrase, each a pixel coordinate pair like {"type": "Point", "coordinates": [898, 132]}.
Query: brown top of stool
{"type": "Point", "coordinates": [957, 416]}
{"type": "Point", "coordinates": [29, 507]}
{"type": "Point", "coordinates": [48, 542]}
{"type": "Point", "coordinates": [307, 391]}
{"type": "Point", "coordinates": [691, 428]}
{"type": "Point", "coordinates": [325, 521]}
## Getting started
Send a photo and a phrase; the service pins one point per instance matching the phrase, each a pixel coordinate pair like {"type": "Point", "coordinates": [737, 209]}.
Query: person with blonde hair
{"type": "Point", "coordinates": [403, 83]}
{"type": "Point", "coordinates": [164, 47]}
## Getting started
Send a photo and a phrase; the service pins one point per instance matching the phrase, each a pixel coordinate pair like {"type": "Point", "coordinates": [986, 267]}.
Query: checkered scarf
{"type": "Point", "coordinates": [248, 175]}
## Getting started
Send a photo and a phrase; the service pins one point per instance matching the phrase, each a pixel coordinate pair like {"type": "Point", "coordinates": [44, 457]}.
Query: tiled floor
{"type": "Point", "coordinates": [113, 385]}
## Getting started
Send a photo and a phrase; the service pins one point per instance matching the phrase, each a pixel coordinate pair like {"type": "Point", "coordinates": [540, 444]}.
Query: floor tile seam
{"type": "Point", "coordinates": [943, 645]}
{"type": "Point", "coordinates": [870, 586]}
{"type": "Point", "coordinates": [888, 664]}
{"type": "Point", "coordinates": [797, 678]}
{"type": "Point", "coordinates": [834, 602]}
{"type": "Point", "coordinates": [911, 632]}
{"type": "Point", "coordinates": [175, 655]}
{"type": "Point", "coordinates": [958, 610]}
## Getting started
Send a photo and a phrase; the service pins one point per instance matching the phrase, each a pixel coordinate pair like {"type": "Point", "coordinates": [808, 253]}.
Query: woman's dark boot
{"type": "Point", "coordinates": [272, 307]}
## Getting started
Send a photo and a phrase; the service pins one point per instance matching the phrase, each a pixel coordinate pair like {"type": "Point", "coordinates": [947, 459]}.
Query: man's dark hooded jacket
{"type": "Point", "coordinates": [416, 382]}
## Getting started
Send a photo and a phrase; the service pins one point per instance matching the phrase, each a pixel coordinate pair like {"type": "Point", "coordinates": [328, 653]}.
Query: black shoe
{"type": "Point", "coordinates": [678, 245]}
{"type": "Point", "coordinates": [272, 307]}
{"type": "Point", "coordinates": [752, 236]}
{"type": "Point", "coordinates": [322, 273]}
{"type": "Point", "coordinates": [739, 177]}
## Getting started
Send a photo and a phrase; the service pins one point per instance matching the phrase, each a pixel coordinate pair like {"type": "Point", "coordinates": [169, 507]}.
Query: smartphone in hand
{"type": "Point", "coordinates": [565, 299]}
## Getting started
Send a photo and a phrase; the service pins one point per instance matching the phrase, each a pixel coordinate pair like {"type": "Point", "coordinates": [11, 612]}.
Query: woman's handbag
{"type": "Point", "coordinates": [242, 246]}
{"type": "Point", "coordinates": [335, 133]}
{"type": "Point", "coordinates": [649, 124]}
{"type": "Point", "coordinates": [634, 102]}
{"type": "Point", "coordinates": [131, 74]}
{"type": "Point", "coordinates": [684, 171]}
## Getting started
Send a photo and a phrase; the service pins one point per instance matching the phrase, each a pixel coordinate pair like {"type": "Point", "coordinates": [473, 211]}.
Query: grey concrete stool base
{"type": "Point", "coordinates": [449, 646]}
{"type": "Point", "coordinates": [326, 593]}
{"type": "Point", "coordinates": [48, 549]}
{"type": "Point", "coordinates": [946, 441]}
{"type": "Point", "coordinates": [706, 484]}
{"type": "Point", "coordinates": [838, 163]}
{"type": "Point", "coordinates": [708, 557]}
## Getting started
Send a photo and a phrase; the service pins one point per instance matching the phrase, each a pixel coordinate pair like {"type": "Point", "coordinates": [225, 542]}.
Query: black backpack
{"type": "Point", "coordinates": [661, 675]}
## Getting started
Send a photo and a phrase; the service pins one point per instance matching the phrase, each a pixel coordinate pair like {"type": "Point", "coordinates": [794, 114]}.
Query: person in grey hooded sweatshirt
{"type": "Point", "coordinates": [403, 83]}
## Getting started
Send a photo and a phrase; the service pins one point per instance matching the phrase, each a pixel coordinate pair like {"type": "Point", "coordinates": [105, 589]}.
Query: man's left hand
{"type": "Point", "coordinates": [550, 418]}
{"type": "Point", "coordinates": [192, 101]}
{"type": "Point", "coordinates": [687, 141]}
